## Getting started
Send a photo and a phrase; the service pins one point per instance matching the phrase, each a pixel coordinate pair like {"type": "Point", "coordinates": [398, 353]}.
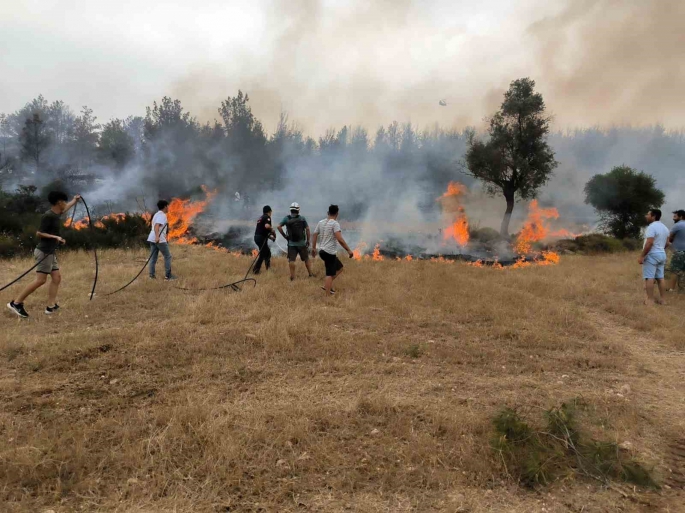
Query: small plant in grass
{"type": "Point", "coordinates": [413, 351]}
{"type": "Point", "coordinates": [537, 456]}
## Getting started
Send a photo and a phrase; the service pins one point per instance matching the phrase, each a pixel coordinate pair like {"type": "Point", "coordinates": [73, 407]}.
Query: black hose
{"type": "Point", "coordinates": [166, 226]}
{"type": "Point", "coordinates": [20, 277]}
{"type": "Point", "coordinates": [233, 285]}
{"type": "Point", "coordinates": [95, 253]}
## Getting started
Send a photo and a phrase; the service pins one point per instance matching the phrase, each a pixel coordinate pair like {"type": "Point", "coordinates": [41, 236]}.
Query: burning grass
{"type": "Point", "coordinates": [380, 399]}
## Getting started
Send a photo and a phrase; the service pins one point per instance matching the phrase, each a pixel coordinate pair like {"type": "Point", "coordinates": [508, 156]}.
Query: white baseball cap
{"type": "Point", "coordinates": [295, 206]}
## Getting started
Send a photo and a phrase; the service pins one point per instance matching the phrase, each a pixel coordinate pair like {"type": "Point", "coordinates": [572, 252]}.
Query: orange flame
{"type": "Point", "coordinates": [83, 223]}
{"type": "Point", "coordinates": [454, 189]}
{"type": "Point", "coordinates": [182, 213]}
{"type": "Point", "coordinates": [477, 263]}
{"type": "Point", "coordinates": [441, 260]}
{"type": "Point", "coordinates": [255, 253]}
{"type": "Point", "coordinates": [459, 228]}
{"type": "Point", "coordinates": [357, 252]}
{"type": "Point", "coordinates": [535, 228]}
{"type": "Point", "coordinates": [376, 256]}
{"type": "Point", "coordinates": [409, 258]}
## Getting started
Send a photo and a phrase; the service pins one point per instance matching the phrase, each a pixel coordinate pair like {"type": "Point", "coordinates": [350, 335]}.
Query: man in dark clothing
{"type": "Point", "coordinates": [262, 234]}
{"type": "Point", "coordinates": [49, 239]}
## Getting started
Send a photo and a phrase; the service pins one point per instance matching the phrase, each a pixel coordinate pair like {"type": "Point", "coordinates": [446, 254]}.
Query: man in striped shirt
{"type": "Point", "coordinates": [329, 233]}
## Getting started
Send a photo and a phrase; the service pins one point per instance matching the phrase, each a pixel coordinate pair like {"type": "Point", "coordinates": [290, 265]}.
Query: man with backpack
{"type": "Point", "coordinates": [298, 238]}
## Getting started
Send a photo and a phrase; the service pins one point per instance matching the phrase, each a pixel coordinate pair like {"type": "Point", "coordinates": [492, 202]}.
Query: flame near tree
{"type": "Point", "coordinates": [450, 201]}
{"type": "Point", "coordinates": [535, 227]}
{"type": "Point", "coordinates": [182, 213]}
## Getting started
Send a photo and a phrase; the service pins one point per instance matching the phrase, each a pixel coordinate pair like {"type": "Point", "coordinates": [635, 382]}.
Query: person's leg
{"type": "Point", "coordinates": [267, 256]}
{"type": "Point", "coordinates": [154, 253]}
{"type": "Point", "coordinates": [56, 279]}
{"type": "Point", "coordinates": [292, 256]}
{"type": "Point", "coordinates": [328, 284]}
{"type": "Point", "coordinates": [304, 256]}
{"type": "Point", "coordinates": [40, 280]}
{"type": "Point", "coordinates": [659, 277]}
{"type": "Point", "coordinates": [259, 241]}
{"type": "Point", "coordinates": [164, 249]}
{"type": "Point", "coordinates": [649, 289]}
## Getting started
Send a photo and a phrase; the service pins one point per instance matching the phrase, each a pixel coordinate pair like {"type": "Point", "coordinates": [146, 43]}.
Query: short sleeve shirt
{"type": "Point", "coordinates": [658, 230]}
{"type": "Point", "coordinates": [326, 230]}
{"type": "Point", "coordinates": [678, 232]}
{"type": "Point", "coordinates": [50, 223]}
{"type": "Point", "coordinates": [159, 218]}
{"type": "Point", "coordinates": [261, 230]}
{"type": "Point", "coordinates": [301, 243]}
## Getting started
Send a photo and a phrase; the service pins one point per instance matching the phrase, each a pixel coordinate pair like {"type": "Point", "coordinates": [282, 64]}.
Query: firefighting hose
{"type": "Point", "coordinates": [235, 284]}
{"type": "Point", "coordinates": [92, 292]}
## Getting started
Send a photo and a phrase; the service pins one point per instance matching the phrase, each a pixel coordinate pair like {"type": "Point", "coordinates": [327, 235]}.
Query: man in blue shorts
{"type": "Point", "coordinates": [653, 257]}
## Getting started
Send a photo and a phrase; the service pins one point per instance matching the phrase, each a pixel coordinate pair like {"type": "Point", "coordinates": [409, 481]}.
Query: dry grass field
{"type": "Point", "coordinates": [380, 399]}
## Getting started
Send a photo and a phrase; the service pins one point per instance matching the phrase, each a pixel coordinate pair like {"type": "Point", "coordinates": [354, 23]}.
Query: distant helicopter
{"type": "Point", "coordinates": [442, 103]}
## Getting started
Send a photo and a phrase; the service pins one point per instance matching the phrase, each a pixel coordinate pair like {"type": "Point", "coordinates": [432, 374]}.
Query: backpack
{"type": "Point", "coordinates": [296, 228]}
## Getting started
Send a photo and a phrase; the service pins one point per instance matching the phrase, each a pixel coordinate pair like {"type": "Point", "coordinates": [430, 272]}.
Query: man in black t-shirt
{"type": "Point", "coordinates": [49, 240]}
{"type": "Point", "coordinates": [262, 233]}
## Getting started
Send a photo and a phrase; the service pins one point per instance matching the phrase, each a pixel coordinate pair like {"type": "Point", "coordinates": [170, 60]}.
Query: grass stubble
{"type": "Point", "coordinates": [380, 399]}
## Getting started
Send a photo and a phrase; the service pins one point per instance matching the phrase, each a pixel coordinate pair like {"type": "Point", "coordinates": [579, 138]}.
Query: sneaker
{"type": "Point", "coordinates": [332, 290]}
{"type": "Point", "coordinates": [51, 310]}
{"type": "Point", "coordinates": [18, 308]}
{"type": "Point", "coordinates": [153, 277]}
{"type": "Point", "coordinates": [170, 278]}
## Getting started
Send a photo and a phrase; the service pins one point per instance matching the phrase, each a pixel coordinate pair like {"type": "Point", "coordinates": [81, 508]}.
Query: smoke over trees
{"type": "Point", "coordinates": [393, 173]}
{"type": "Point", "coordinates": [516, 160]}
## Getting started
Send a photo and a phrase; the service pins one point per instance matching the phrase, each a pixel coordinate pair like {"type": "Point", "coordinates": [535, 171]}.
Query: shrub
{"type": "Point", "coordinates": [597, 243]}
{"type": "Point", "coordinates": [539, 456]}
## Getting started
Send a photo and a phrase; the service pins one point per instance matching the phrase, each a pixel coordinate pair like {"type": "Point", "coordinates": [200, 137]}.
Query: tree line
{"type": "Point", "coordinates": [170, 151]}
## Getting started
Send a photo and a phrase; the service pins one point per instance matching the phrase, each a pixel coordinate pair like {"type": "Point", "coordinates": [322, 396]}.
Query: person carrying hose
{"type": "Point", "coordinates": [48, 240]}
{"type": "Point", "coordinates": [158, 241]}
{"type": "Point", "coordinates": [262, 233]}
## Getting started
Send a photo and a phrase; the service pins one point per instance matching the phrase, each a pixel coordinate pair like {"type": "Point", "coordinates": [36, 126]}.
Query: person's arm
{"type": "Point", "coordinates": [647, 248]}
{"type": "Point", "coordinates": [48, 236]}
{"type": "Point", "coordinates": [309, 235]}
{"type": "Point", "coordinates": [314, 238]}
{"type": "Point", "coordinates": [73, 202]}
{"type": "Point", "coordinates": [339, 237]}
{"type": "Point", "coordinates": [280, 230]}
{"type": "Point", "coordinates": [158, 231]}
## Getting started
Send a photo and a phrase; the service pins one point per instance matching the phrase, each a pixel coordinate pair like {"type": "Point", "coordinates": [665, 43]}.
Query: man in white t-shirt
{"type": "Point", "coordinates": [329, 233]}
{"type": "Point", "coordinates": [653, 257]}
{"type": "Point", "coordinates": [158, 241]}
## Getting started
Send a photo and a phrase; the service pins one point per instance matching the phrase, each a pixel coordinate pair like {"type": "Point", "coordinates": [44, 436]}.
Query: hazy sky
{"type": "Point", "coordinates": [330, 63]}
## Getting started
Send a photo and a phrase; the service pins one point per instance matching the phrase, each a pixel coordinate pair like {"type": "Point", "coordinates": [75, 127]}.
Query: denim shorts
{"type": "Point", "coordinates": [653, 266]}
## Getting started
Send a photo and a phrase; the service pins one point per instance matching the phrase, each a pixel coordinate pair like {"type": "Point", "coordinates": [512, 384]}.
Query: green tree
{"type": "Point", "coordinates": [516, 160]}
{"type": "Point", "coordinates": [622, 197]}
{"type": "Point", "coordinates": [85, 138]}
{"type": "Point", "coordinates": [116, 145]}
{"type": "Point", "coordinates": [34, 139]}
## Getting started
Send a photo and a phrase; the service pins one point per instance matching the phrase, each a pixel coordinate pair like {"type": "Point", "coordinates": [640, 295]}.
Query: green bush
{"type": "Point", "coordinates": [538, 456]}
{"type": "Point", "coordinates": [597, 243]}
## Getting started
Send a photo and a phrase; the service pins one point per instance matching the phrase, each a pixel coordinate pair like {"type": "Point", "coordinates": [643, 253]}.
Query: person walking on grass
{"type": "Point", "coordinates": [48, 241]}
{"type": "Point", "coordinates": [298, 238]}
{"type": "Point", "coordinates": [677, 240]}
{"type": "Point", "coordinates": [653, 257]}
{"type": "Point", "coordinates": [158, 241]}
{"type": "Point", "coordinates": [262, 234]}
{"type": "Point", "coordinates": [329, 233]}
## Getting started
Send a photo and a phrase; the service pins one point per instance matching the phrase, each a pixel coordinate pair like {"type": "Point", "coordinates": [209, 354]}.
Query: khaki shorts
{"type": "Point", "coordinates": [46, 266]}
{"type": "Point", "coordinates": [677, 264]}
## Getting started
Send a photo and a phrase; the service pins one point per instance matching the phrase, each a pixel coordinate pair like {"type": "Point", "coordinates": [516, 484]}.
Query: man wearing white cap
{"type": "Point", "coordinates": [298, 238]}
